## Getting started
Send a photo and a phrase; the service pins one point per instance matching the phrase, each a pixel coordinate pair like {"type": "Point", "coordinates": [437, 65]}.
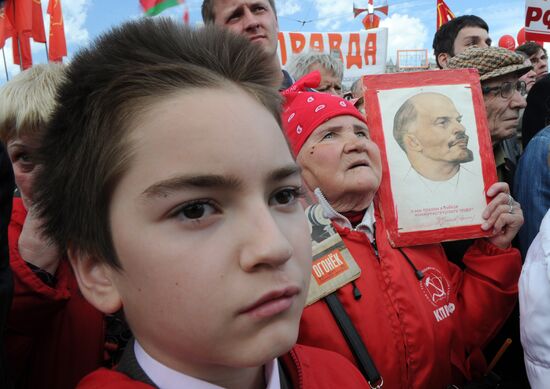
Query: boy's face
{"type": "Point", "coordinates": [213, 242]}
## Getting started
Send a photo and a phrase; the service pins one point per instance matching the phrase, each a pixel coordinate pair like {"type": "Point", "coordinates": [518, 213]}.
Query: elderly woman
{"type": "Point", "coordinates": [54, 337]}
{"type": "Point", "coordinates": [422, 320]}
{"type": "Point", "coordinates": [330, 67]}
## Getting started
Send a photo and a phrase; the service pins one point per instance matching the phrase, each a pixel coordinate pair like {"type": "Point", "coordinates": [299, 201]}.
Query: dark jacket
{"type": "Point", "coordinates": [537, 113]}
{"type": "Point", "coordinates": [6, 284]}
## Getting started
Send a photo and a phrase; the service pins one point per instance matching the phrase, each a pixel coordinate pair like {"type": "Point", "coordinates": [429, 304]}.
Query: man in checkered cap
{"type": "Point", "coordinates": [503, 93]}
{"type": "Point", "coordinates": [504, 96]}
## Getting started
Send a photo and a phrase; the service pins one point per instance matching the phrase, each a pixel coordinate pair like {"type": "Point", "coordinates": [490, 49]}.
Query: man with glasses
{"type": "Point", "coordinates": [502, 116]}
{"type": "Point", "coordinates": [503, 93]}
{"type": "Point", "coordinates": [504, 96]}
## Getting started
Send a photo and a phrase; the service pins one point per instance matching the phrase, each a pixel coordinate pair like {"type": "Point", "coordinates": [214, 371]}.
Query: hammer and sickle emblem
{"type": "Point", "coordinates": [435, 285]}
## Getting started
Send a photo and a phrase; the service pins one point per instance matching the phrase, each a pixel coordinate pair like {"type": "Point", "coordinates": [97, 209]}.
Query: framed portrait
{"type": "Point", "coordinates": [437, 156]}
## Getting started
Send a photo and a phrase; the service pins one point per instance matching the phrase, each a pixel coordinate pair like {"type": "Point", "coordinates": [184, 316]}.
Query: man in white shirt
{"type": "Point", "coordinates": [534, 308]}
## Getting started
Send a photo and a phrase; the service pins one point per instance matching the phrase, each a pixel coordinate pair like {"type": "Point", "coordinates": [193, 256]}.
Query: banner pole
{"type": "Point", "coordinates": [5, 64]}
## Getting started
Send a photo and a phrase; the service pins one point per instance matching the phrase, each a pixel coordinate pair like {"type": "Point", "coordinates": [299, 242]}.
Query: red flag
{"type": "Point", "coordinates": [58, 44]}
{"type": "Point", "coordinates": [6, 28]}
{"type": "Point", "coordinates": [23, 46]}
{"type": "Point", "coordinates": [444, 14]}
{"type": "Point", "coordinates": [20, 15]}
{"type": "Point", "coordinates": [38, 32]}
{"type": "Point", "coordinates": [186, 15]}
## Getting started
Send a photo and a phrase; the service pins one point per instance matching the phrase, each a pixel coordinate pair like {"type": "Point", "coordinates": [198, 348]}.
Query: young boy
{"type": "Point", "coordinates": [167, 179]}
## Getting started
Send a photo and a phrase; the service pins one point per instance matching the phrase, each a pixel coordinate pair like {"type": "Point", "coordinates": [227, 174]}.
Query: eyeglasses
{"type": "Point", "coordinates": [507, 89]}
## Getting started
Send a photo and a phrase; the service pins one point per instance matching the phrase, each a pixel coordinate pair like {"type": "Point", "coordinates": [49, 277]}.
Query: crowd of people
{"type": "Point", "coordinates": [166, 200]}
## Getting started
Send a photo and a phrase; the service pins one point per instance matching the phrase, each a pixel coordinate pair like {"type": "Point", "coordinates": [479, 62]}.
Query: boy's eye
{"type": "Point", "coordinates": [286, 196]}
{"type": "Point", "coordinates": [328, 135]}
{"type": "Point", "coordinates": [195, 210]}
{"type": "Point", "coordinates": [362, 134]}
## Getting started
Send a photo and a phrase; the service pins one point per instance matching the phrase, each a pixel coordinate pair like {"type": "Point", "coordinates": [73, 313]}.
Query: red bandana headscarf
{"type": "Point", "coordinates": [304, 111]}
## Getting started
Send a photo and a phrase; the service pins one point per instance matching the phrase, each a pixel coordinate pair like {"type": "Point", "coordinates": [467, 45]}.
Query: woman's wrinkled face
{"type": "Point", "coordinates": [20, 151]}
{"type": "Point", "coordinates": [341, 160]}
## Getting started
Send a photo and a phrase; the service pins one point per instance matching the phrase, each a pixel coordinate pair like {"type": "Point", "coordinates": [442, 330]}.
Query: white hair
{"type": "Point", "coordinates": [298, 65]}
{"type": "Point", "coordinates": [29, 99]}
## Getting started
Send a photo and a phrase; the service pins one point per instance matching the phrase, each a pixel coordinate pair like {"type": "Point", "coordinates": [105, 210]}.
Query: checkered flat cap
{"type": "Point", "coordinates": [490, 62]}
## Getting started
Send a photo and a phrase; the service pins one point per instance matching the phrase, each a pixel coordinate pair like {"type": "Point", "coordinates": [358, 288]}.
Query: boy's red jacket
{"type": "Point", "coordinates": [54, 336]}
{"type": "Point", "coordinates": [420, 333]}
{"type": "Point", "coordinates": [308, 367]}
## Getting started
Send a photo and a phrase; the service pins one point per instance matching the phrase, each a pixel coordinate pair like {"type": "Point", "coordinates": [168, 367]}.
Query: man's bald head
{"type": "Point", "coordinates": [406, 115]}
{"type": "Point", "coordinates": [428, 126]}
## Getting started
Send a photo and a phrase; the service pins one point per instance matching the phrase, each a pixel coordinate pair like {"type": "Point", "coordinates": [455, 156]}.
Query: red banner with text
{"type": "Point", "coordinates": [537, 20]}
{"type": "Point", "coordinates": [362, 52]}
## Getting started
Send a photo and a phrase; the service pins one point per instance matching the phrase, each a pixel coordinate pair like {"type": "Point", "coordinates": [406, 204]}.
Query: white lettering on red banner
{"type": "Point", "coordinates": [362, 52]}
{"type": "Point", "coordinates": [537, 20]}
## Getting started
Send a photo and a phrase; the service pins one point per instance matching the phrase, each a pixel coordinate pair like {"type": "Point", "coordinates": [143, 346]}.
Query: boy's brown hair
{"type": "Point", "coordinates": [86, 148]}
{"type": "Point", "coordinates": [530, 48]}
{"type": "Point", "coordinates": [207, 10]}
